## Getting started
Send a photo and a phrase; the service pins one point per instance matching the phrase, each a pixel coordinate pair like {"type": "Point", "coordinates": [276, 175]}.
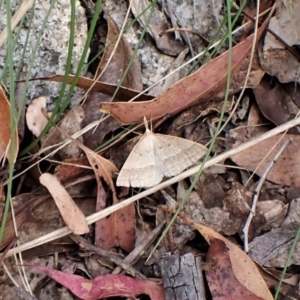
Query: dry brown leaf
{"type": "Point", "coordinates": [25, 203]}
{"type": "Point", "coordinates": [198, 87]}
{"type": "Point", "coordinates": [221, 279]}
{"type": "Point", "coordinates": [251, 10]}
{"type": "Point", "coordinates": [117, 230]}
{"type": "Point", "coordinates": [211, 189]}
{"type": "Point", "coordinates": [243, 267]}
{"type": "Point", "coordinates": [111, 71]}
{"type": "Point", "coordinates": [156, 23]}
{"type": "Point", "coordinates": [46, 218]}
{"type": "Point", "coordinates": [71, 169]}
{"type": "Point", "coordinates": [293, 91]}
{"type": "Point", "coordinates": [104, 286]}
{"type": "Point", "coordinates": [101, 166]}
{"type": "Point", "coordinates": [284, 171]}
{"type": "Point", "coordinates": [5, 129]}
{"type": "Point", "coordinates": [238, 79]}
{"type": "Point", "coordinates": [274, 102]}
{"type": "Point", "coordinates": [85, 83]}
{"type": "Point", "coordinates": [285, 289]}
{"type": "Point", "coordinates": [275, 58]}
{"type": "Point", "coordinates": [122, 56]}
{"type": "Point", "coordinates": [69, 125]}
{"type": "Point", "coordinates": [35, 119]}
{"type": "Point", "coordinates": [71, 214]}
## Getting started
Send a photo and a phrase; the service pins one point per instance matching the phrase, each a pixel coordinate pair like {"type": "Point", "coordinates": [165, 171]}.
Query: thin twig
{"type": "Point", "coordinates": [248, 70]}
{"type": "Point", "coordinates": [276, 36]}
{"type": "Point", "coordinates": [84, 244]}
{"type": "Point", "coordinates": [257, 192]}
{"type": "Point", "coordinates": [108, 211]}
{"type": "Point", "coordinates": [203, 40]}
{"type": "Point", "coordinates": [95, 123]}
{"type": "Point", "coordinates": [18, 15]}
{"type": "Point", "coordinates": [135, 254]}
{"type": "Point", "coordinates": [191, 60]}
{"type": "Point", "coordinates": [265, 157]}
{"type": "Point", "coordinates": [168, 9]}
{"type": "Point", "coordinates": [98, 76]}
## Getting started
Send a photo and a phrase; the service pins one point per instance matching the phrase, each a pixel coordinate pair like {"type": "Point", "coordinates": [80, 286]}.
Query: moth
{"type": "Point", "coordinates": [156, 156]}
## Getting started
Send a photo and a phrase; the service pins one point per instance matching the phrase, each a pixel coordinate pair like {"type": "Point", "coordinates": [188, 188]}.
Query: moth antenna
{"type": "Point", "coordinates": [146, 123]}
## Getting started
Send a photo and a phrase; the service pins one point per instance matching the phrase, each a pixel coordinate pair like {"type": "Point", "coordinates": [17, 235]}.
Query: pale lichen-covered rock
{"type": "Point", "coordinates": [52, 50]}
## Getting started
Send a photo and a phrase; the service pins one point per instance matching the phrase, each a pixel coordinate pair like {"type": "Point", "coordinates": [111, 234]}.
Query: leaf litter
{"type": "Point", "coordinates": [118, 229]}
{"type": "Point", "coordinates": [5, 128]}
{"type": "Point", "coordinates": [220, 203]}
{"type": "Point", "coordinates": [187, 92]}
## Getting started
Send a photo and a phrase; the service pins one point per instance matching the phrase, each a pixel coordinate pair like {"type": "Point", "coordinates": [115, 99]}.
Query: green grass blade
{"type": "Point", "coordinates": [152, 5]}
{"type": "Point", "coordinates": [188, 193]}
{"type": "Point", "coordinates": [287, 263]}
{"type": "Point", "coordinates": [5, 67]}
{"type": "Point", "coordinates": [215, 36]}
{"type": "Point", "coordinates": [32, 59]}
{"type": "Point", "coordinates": [12, 119]}
{"type": "Point", "coordinates": [26, 41]}
{"type": "Point", "coordinates": [70, 92]}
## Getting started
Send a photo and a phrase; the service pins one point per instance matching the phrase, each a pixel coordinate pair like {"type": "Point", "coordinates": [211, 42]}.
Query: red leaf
{"type": "Point", "coordinates": [198, 87]}
{"type": "Point", "coordinates": [104, 286]}
{"type": "Point", "coordinates": [117, 230]}
{"type": "Point", "coordinates": [5, 130]}
{"type": "Point", "coordinates": [221, 278]}
{"type": "Point", "coordinates": [98, 86]}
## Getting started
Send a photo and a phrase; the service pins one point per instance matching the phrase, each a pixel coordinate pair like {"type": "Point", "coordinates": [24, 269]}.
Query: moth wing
{"type": "Point", "coordinates": [141, 168]}
{"type": "Point", "coordinates": [176, 154]}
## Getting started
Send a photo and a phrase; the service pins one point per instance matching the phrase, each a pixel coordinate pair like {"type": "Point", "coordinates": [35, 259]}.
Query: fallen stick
{"type": "Point", "coordinates": [108, 211]}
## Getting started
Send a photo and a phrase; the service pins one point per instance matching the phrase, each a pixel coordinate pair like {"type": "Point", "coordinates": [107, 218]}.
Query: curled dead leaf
{"type": "Point", "coordinates": [35, 119]}
{"type": "Point", "coordinates": [198, 87]}
{"type": "Point", "coordinates": [244, 269]}
{"type": "Point", "coordinates": [104, 286]}
{"type": "Point", "coordinates": [5, 130]}
{"type": "Point", "coordinates": [71, 214]}
{"type": "Point", "coordinates": [98, 86]}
